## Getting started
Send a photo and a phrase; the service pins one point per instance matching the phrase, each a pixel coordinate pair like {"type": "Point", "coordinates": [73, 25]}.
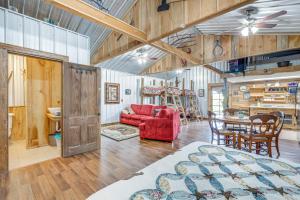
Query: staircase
{"type": "Point", "coordinates": [195, 112]}
{"type": "Point", "coordinates": [178, 104]}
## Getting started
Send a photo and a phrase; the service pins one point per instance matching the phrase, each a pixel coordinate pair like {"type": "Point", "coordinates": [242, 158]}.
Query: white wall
{"type": "Point", "coordinates": [110, 113]}
{"type": "Point", "coordinates": [201, 77]}
{"type": "Point", "coordinates": [24, 31]}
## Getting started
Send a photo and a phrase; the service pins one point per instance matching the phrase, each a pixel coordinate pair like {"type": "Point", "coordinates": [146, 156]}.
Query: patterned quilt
{"type": "Point", "coordinates": [204, 171]}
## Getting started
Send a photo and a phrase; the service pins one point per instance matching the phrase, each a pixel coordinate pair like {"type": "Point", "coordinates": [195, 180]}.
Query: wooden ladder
{"type": "Point", "coordinates": [178, 104]}
{"type": "Point", "coordinates": [195, 108]}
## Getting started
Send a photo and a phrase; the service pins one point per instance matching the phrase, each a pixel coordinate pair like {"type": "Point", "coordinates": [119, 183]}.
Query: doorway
{"type": "Point", "coordinates": [216, 98]}
{"type": "Point", "coordinates": [79, 100]}
{"type": "Point", "coordinates": [34, 106]}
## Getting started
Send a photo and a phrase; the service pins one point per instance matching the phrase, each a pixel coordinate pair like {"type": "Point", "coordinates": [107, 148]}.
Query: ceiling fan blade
{"type": "Point", "coordinates": [274, 15]}
{"type": "Point", "coordinates": [264, 25]}
{"type": "Point", "coordinates": [152, 58]}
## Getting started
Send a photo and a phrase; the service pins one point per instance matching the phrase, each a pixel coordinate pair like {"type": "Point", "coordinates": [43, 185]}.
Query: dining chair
{"type": "Point", "coordinates": [278, 129]}
{"type": "Point", "coordinates": [228, 136]}
{"type": "Point", "coordinates": [262, 130]}
{"type": "Point", "coordinates": [234, 112]}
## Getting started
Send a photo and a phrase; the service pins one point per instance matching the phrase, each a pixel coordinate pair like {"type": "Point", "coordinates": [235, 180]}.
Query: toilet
{"type": "Point", "coordinates": [10, 123]}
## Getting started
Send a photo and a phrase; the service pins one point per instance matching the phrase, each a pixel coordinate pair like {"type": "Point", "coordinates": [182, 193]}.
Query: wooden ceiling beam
{"type": "Point", "coordinates": [87, 11]}
{"type": "Point", "coordinates": [178, 52]}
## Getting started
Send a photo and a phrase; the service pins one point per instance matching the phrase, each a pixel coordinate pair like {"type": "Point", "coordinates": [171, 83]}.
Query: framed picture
{"type": "Point", "coordinates": [201, 93]}
{"type": "Point", "coordinates": [112, 93]}
{"type": "Point", "coordinates": [127, 91]}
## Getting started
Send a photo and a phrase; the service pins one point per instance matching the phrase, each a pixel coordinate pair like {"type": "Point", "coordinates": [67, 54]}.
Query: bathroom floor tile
{"type": "Point", "coordinates": [19, 156]}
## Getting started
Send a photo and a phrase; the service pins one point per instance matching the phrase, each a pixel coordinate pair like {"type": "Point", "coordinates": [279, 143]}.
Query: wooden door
{"type": "Point", "coordinates": [81, 109]}
{"type": "Point", "coordinates": [3, 111]}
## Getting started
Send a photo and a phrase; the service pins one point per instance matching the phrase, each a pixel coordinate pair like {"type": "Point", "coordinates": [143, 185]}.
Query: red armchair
{"type": "Point", "coordinates": [166, 126]}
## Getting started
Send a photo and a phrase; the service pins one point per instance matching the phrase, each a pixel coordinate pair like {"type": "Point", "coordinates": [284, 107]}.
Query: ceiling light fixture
{"type": "Point", "coordinates": [254, 29]}
{"type": "Point", "coordinates": [141, 60]}
{"type": "Point", "coordinates": [179, 71]}
{"type": "Point", "coordinates": [246, 31]}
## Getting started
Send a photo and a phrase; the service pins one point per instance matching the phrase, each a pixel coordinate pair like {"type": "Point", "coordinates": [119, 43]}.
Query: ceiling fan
{"type": "Point", "coordinates": [252, 25]}
{"type": "Point", "coordinates": [142, 56]}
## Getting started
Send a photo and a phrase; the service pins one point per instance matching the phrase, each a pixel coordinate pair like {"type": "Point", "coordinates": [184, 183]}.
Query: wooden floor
{"type": "Point", "coordinates": [80, 176]}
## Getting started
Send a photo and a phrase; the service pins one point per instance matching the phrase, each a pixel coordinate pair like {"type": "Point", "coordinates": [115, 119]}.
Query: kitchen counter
{"type": "Point", "coordinates": [275, 106]}
{"type": "Point", "coordinates": [290, 111]}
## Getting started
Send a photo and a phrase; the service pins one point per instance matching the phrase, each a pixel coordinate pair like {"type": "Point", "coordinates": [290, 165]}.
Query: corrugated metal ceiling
{"type": "Point", "coordinates": [40, 9]}
{"type": "Point", "coordinates": [129, 62]}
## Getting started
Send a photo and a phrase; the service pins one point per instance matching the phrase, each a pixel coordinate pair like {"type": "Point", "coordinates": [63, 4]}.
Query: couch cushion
{"type": "Point", "coordinates": [136, 108]}
{"type": "Point", "coordinates": [146, 110]}
{"type": "Point", "coordinates": [136, 117]}
{"type": "Point", "coordinates": [146, 117]}
{"type": "Point", "coordinates": [128, 116]}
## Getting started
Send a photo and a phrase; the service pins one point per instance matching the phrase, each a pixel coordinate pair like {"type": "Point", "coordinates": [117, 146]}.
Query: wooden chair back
{"type": "Point", "coordinates": [212, 122]}
{"type": "Point", "coordinates": [263, 125]}
{"type": "Point", "coordinates": [279, 123]}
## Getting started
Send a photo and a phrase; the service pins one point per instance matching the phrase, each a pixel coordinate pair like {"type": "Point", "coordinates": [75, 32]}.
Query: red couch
{"type": "Point", "coordinates": [166, 126]}
{"type": "Point", "coordinates": [142, 112]}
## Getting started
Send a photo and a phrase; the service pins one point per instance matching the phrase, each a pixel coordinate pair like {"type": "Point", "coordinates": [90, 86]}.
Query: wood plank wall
{"type": "Point", "coordinates": [3, 111]}
{"type": "Point", "coordinates": [43, 91]}
{"type": "Point", "coordinates": [110, 113]}
{"type": "Point", "coordinates": [233, 47]}
{"type": "Point", "coordinates": [157, 25]}
{"type": "Point", "coordinates": [19, 128]}
{"type": "Point", "coordinates": [201, 78]}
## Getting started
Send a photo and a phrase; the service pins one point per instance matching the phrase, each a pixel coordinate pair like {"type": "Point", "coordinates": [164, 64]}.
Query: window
{"type": "Point", "coordinates": [217, 100]}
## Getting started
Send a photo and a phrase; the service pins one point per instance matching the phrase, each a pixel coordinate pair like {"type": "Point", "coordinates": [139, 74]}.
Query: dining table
{"type": "Point", "coordinates": [235, 120]}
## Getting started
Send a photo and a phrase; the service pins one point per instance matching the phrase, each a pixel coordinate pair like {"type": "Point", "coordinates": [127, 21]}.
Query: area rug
{"type": "Point", "coordinates": [120, 132]}
{"type": "Point", "coordinates": [205, 171]}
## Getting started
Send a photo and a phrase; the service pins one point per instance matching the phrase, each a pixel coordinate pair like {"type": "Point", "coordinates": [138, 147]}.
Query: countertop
{"type": "Point", "coordinates": [281, 106]}
{"type": "Point", "coordinates": [53, 117]}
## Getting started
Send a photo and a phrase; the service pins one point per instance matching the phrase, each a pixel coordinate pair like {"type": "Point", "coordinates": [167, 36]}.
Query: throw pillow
{"type": "Point", "coordinates": [125, 112]}
{"type": "Point", "coordinates": [155, 112]}
{"type": "Point", "coordinates": [130, 111]}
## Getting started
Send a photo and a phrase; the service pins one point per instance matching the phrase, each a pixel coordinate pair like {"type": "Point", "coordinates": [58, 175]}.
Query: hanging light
{"type": "Point", "coordinates": [140, 61]}
{"type": "Point", "coordinates": [179, 71]}
{"type": "Point", "coordinates": [245, 31]}
{"type": "Point", "coordinates": [145, 55]}
{"type": "Point", "coordinates": [254, 29]}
